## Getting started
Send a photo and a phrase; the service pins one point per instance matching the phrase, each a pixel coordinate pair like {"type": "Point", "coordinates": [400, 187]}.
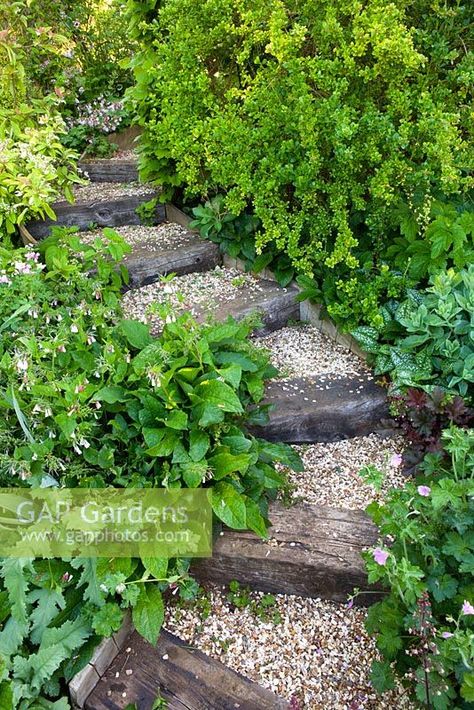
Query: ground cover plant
{"type": "Point", "coordinates": [428, 339]}
{"type": "Point", "coordinates": [424, 625]}
{"type": "Point", "coordinates": [343, 128]}
{"type": "Point", "coordinates": [91, 400]}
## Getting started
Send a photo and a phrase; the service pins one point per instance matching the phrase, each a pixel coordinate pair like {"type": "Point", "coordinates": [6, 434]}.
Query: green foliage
{"type": "Point", "coordinates": [424, 626]}
{"type": "Point", "coordinates": [446, 243]}
{"type": "Point", "coordinates": [261, 605]}
{"type": "Point", "coordinates": [36, 168]}
{"type": "Point", "coordinates": [89, 399]}
{"type": "Point", "coordinates": [428, 339]}
{"type": "Point", "coordinates": [334, 124]}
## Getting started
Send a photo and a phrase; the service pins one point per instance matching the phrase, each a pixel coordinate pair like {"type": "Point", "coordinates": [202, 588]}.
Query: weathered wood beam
{"type": "Point", "coordinates": [185, 677]}
{"type": "Point", "coordinates": [313, 551]}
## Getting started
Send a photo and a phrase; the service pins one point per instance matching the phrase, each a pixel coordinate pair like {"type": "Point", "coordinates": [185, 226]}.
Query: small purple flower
{"type": "Point", "coordinates": [467, 609]}
{"type": "Point", "coordinates": [350, 603]}
{"type": "Point", "coordinates": [424, 491]}
{"type": "Point", "coordinates": [446, 635]}
{"type": "Point", "coordinates": [380, 556]}
{"type": "Point", "coordinates": [396, 460]}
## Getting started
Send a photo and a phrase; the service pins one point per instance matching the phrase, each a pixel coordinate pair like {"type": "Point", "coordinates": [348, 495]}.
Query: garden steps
{"type": "Point", "coordinates": [323, 409]}
{"type": "Point", "coordinates": [112, 210]}
{"type": "Point", "coordinates": [110, 170]}
{"type": "Point", "coordinates": [184, 677]}
{"type": "Point", "coordinates": [312, 551]}
{"type": "Point", "coordinates": [146, 264]}
{"type": "Point", "coordinates": [276, 306]}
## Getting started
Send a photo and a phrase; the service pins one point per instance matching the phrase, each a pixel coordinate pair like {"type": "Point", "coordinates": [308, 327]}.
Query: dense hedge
{"type": "Point", "coordinates": [338, 122]}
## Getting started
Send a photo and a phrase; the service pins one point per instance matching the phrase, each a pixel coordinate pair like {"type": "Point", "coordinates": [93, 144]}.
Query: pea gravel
{"type": "Point", "coordinates": [331, 471]}
{"type": "Point", "coordinates": [196, 292]}
{"type": "Point", "coordinates": [104, 191]}
{"type": "Point", "coordinates": [167, 235]}
{"type": "Point", "coordinates": [302, 350]}
{"type": "Point", "coordinates": [319, 655]}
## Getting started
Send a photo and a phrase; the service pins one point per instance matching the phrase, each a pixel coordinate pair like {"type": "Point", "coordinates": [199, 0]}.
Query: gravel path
{"type": "Point", "coordinates": [193, 292]}
{"type": "Point", "coordinates": [301, 350]}
{"type": "Point", "coordinates": [167, 235]}
{"type": "Point", "coordinates": [319, 655]}
{"type": "Point", "coordinates": [331, 471]}
{"type": "Point", "coordinates": [103, 191]}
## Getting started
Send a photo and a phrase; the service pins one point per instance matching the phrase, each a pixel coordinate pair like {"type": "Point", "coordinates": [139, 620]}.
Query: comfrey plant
{"type": "Point", "coordinates": [425, 624]}
{"type": "Point", "coordinates": [91, 400]}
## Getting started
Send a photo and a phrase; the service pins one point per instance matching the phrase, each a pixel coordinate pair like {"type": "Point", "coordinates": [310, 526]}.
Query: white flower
{"type": "Point", "coordinates": [84, 443]}
{"type": "Point", "coordinates": [59, 317]}
{"type": "Point", "coordinates": [104, 588]}
{"type": "Point", "coordinates": [22, 364]}
{"type": "Point", "coordinates": [170, 318]}
{"type": "Point", "coordinates": [74, 328]}
{"type": "Point", "coordinates": [120, 588]}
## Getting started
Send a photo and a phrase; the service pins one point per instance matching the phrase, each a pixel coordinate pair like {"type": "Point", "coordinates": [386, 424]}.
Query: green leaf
{"type": "Point", "coordinates": [107, 619]}
{"type": "Point", "coordinates": [198, 444]}
{"type": "Point", "coordinates": [6, 696]}
{"type": "Point", "coordinates": [229, 506]}
{"type": "Point", "coordinates": [194, 473]}
{"type": "Point", "coordinates": [156, 566]}
{"type": "Point", "coordinates": [254, 518]}
{"type": "Point", "coordinates": [224, 463]}
{"type": "Point", "coordinates": [467, 687]}
{"type": "Point", "coordinates": [137, 333]}
{"type": "Point", "coordinates": [148, 613]}
{"type": "Point", "coordinates": [220, 395]}
{"type": "Point", "coordinates": [177, 420]}
{"type": "Point", "coordinates": [382, 676]}
{"type": "Point", "coordinates": [111, 395]}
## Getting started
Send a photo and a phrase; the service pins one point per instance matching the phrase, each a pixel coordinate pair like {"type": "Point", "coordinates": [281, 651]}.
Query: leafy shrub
{"type": "Point", "coordinates": [328, 120]}
{"type": "Point", "coordinates": [428, 339]}
{"type": "Point", "coordinates": [424, 626]}
{"type": "Point", "coordinates": [36, 168]}
{"type": "Point", "coordinates": [91, 400]}
{"type": "Point", "coordinates": [88, 129]}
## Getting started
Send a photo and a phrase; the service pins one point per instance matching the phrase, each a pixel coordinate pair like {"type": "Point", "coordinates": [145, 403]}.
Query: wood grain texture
{"type": "Point", "coordinates": [185, 677]}
{"type": "Point", "coordinates": [313, 551]}
{"type": "Point", "coordinates": [311, 410]}
{"type": "Point", "coordinates": [146, 263]}
{"type": "Point", "coordinates": [110, 170]}
{"type": "Point", "coordinates": [108, 213]}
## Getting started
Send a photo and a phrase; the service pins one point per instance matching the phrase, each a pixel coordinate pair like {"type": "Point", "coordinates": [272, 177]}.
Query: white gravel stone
{"type": "Point", "coordinates": [302, 350]}
{"type": "Point", "coordinates": [167, 235]}
{"type": "Point", "coordinates": [191, 292]}
{"type": "Point", "coordinates": [104, 191]}
{"type": "Point", "coordinates": [331, 471]}
{"type": "Point", "coordinates": [319, 655]}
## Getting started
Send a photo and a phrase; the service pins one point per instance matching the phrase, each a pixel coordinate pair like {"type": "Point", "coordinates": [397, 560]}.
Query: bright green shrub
{"type": "Point", "coordinates": [329, 120]}
{"type": "Point", "coordinates": [427, 340]}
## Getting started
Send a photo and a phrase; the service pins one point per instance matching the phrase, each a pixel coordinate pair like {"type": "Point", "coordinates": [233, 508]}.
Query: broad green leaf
{"type": "Point", "coordinates": [148, 613]}
{"type": "Point", "coordinates": [229, 506]}
{"type": "Point", "coordinates": [137, 333]}
{"type": "Point", "coordinates": [220, 395]}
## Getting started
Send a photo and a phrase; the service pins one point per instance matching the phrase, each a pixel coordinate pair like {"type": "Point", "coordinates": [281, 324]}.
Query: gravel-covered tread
{"type": "Point", "coordinates": [185, 677]}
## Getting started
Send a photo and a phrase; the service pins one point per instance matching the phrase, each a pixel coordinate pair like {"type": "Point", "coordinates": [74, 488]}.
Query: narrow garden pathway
{"type": "Point", "coordinates": [308, 649]}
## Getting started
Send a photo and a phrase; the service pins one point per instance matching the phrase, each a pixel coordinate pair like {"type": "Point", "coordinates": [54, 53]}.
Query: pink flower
{"type": "Point", "coordinates": [446, 635]}
{"type": "Point", "coordinates": [424, 491]}
{"type": "Point", "coordinates": [67, 576]}
{"type": "Point", "coordinates": [350, 604]}
{"type": "Point", "coordinates": [380, 556]}
{"type": "Point", "coordinates": [396, 460]}
{"type": "Point", "coordinates": [467, 609]}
